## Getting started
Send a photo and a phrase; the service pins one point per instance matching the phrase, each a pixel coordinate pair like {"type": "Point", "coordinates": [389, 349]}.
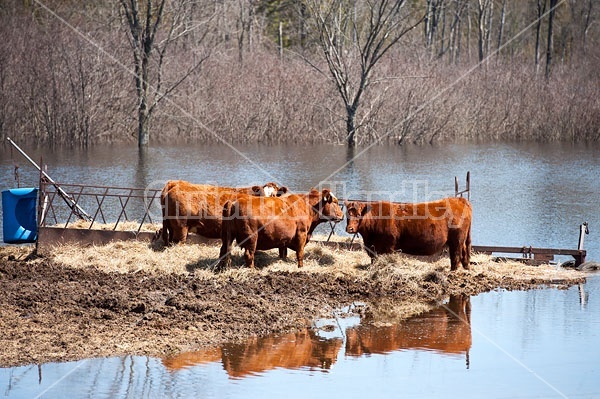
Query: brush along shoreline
{"type": "Point", "coordinates": [127, 298]}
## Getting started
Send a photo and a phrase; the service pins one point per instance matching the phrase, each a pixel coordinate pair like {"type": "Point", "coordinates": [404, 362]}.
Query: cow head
{"type": "Point", "coordinates": [328, 207]}
{"type": "Point", "coordinates": [269, 190]}
{"type": "Point", "coordinates": [355, 212]}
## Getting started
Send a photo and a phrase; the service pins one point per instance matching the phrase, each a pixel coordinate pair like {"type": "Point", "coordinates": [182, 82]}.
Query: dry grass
{"type": "Point", "coordinates": [131, 225]}
{"type": "Point", "coordinates": [389, 270]}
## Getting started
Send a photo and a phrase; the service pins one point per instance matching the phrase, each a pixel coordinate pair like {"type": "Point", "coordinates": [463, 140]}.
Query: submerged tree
{"type": "Point", "coordinates": [152, 28]}
{"type": "Point", "coordinates": [354, 36]}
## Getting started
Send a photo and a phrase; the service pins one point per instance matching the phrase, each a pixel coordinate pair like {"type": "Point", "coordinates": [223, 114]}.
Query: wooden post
{"type": "Point", "coordinates": [469, 185]}
{"type": "Point", "coordinates": [583, 230]}
{"type": "Point", "coordinates": [455, 186]}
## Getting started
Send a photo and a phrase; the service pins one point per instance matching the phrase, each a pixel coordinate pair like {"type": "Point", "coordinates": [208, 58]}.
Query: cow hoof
{"type": "Point", "coordinates": [221, 266]}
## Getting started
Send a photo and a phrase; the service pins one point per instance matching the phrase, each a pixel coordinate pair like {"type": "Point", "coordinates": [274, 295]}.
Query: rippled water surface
{"type": "Point", "coordinates": [541, 343]}
{"type": "Point", "coordinates": [535, 194]}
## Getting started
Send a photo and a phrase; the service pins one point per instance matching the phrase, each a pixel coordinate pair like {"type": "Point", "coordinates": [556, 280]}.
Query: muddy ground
{"type": "Point", "coordinates": [53, 312]}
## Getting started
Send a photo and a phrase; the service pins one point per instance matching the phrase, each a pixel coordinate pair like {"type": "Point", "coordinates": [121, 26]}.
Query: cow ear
{"type": "Point", "coordinates": [256, 189]}
{"type": "Point", "coordinates": [326, 195]}
{"type": "Point", "coordinates": [281, 191]}
{"type": "Point", "coordinates": [365, 210]}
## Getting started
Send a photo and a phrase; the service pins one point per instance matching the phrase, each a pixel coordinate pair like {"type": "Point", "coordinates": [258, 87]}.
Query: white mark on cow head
{"type": "Point", "coordinates": [272, 189]}
{"type": "Point", "coordinates": [269, 191]}
{"type": "Point", "coordinates": [329, 206]}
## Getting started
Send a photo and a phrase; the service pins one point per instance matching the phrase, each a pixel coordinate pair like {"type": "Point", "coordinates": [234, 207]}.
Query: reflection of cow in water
{"type": "Point", "coordinates": [291, 351]}
{"type": "Point", "coordinates": [445, 329]}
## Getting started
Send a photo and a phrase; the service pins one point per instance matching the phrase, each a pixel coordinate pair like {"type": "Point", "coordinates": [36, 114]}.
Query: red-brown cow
{"type": "Point", "coordinates": [416, 229]}
{"type": "Point", "coordinates": [275, 222]}
{"type": "Point", "coordinates": [197, 208]}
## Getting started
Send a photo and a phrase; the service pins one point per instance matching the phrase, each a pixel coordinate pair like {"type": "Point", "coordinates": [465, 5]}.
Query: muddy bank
{"type": "Point", "coordinates": [51, 311]}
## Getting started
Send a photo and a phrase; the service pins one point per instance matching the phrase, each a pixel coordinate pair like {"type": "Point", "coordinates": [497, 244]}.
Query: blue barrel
{"type": "Point", "coordinates": [19, 214]}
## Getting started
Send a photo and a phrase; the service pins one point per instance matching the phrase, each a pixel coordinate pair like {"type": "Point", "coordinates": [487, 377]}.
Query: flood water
{"type": "Point", "coordinates": [529, 194]}
{"type": "Point", "coordinates": [541, 343]}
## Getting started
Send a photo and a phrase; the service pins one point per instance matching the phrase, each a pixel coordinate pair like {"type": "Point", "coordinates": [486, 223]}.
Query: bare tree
{"type": "Point", "coordinates": [502, 23]}
{"type": "Point", "coordinates": [354, 36]}
{"type": "Point", "coordinates": [541, 10]}
{"type": "Point", "coordinates": [153, 27]}
{"type": "Point", "coordinates": [245, 22]}
{"type": "Point", "coordinates": [550, 45]}
{"type": "Point", "coordinates": [484, 18]}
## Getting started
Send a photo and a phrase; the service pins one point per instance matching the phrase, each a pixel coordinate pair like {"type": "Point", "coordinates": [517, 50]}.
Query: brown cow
{"type": "Point", "coordinates": [275, 222]}
{"type": "Point", "coordinates": [446, 329]}
{"type": "Point", "coordinates": [417, 229]}
{"type": "Point", "coordinates": [197, 208]}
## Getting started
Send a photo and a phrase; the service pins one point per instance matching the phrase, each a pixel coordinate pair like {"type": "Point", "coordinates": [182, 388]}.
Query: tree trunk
{"type": "Point", "coordinates": [143, 126]}
{"type": "Point", "coordinates": [541, 6]}
{"type": "Point", "coordinates": [350, 128]}
{"type": "Point", "coordinates": [481, 30]}
{"type": "Point", "coordinates": [501, 27]}
{"type": "Point", "coordinates": [550, 42]}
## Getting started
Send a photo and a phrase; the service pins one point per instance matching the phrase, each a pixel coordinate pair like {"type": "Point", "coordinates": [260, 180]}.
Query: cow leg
{"type": "Point", "coordinates": [225, 252]}
{"type": "Point", "coordinates": [455, 248]}
{"type": "Point", "coordinates": [300, 255]}
{"type": "Point", "coordinates": [455, 253]}
{"type": "Point", "coordinates": [372, 253]}
{"type": "Point", "coordinates": [249, 250]}
{"type": "Point", "coordinates": [466, 252]}
{"type": "Point", "coordinates": [283, 252]}
{"type": "Point", "coordinates": [165, 233]}
{"type": "Point", "coordinates": [227, 237]}
{"type": "Point", "coordinates": [249, 258]}
{"type": "Point", "coordinates": [179, 234]}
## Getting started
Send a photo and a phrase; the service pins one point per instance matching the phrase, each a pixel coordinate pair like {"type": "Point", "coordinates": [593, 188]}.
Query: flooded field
{"type": "Point", "coordinates": [538, 343]}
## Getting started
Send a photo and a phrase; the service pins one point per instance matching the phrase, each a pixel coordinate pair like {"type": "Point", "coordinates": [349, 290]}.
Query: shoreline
{"type": "Point", "coordinates": [53, 311]}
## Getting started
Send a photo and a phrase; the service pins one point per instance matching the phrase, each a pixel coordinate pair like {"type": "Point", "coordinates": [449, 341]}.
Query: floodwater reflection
{"type": "Point", "coordinates": [445, 329]}
{"type": "Point", "coordinates": [260, 354]}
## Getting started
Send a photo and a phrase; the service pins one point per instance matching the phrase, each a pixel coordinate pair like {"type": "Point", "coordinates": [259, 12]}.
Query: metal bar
{"type": "Point", "coordinates": [109, 194]}
{"type": "Point", "coordinates": [467, 190]}
{"type": "Point", "coordinates": [332, 226]}
{"type": "Point", "coordinates": [353, 237]}
{"type": "Point", "coordinates": [527, 250]}
{"type": "Point", "coordinates": [146, 213]}
{"type": "Point", "coordinates": [76, 209]}
{"type": "Point", "coordinates": [99, 210]}
{"type": "Point", "coordinates": [111, 187]}
{"type": "Point", "coordinates": [51, 207]}
{"type": "Point", "coordinates": [123, 206]}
